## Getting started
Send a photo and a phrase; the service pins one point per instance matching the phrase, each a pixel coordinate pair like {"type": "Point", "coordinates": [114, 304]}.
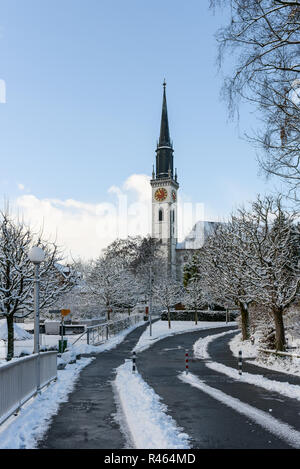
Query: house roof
{"type": "Point", "coordinates": [197, 236]}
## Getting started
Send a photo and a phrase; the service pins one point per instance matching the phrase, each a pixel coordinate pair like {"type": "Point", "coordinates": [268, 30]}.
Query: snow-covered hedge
{"type": "Point", "coordinates": [202, 316]}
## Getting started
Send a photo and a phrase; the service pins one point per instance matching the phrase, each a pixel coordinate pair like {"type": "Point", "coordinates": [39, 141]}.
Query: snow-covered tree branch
{"type": "Point", "coordinates": [17, 272]}
{"type": "Point", "coordinates": [264, 38]}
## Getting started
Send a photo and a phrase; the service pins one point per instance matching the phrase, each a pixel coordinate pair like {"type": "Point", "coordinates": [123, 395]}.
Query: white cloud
{"type": "Point", "coordinates": [84, 229]}
{"type": "Point", "coordinates": [141, 185]}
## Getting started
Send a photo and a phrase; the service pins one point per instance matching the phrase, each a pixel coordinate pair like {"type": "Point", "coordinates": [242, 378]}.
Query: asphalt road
{"type": "Point", "coordinates": [87, 419]}
{"type": "Point", "coordinates": [210, 423]}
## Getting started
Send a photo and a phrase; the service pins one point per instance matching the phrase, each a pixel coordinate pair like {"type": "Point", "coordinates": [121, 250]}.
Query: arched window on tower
{"type": "Point", "coordinates": [160, 215]}
{"type": "Point", "coordinates": [173, 216]}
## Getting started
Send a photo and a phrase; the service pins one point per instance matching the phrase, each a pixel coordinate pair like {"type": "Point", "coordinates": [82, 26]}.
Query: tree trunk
{"type": "Point", "coordinates": [169, 319]}
{"type": "Point", "coordinates": [10, 337]}
{"type": "Point", "coordinates": [196, 317]}
{"type": "Point", "coordinates": [279, 330]}
{"type": "Point", "coordinates": [245, 321]}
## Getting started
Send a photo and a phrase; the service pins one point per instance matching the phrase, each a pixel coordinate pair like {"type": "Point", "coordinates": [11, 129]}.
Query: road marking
{"type": "Point", "coordinates": [284, 388]}
{"type": "Point", "coordinates": [278, 428]}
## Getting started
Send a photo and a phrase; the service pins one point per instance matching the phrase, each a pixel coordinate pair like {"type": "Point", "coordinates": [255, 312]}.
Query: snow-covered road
{"type": "Point", "coordinates": [109, 406]}
{"type": "Point", "coordinates": [262, 416]}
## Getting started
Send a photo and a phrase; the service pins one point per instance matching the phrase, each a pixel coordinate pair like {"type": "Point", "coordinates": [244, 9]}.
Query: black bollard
{"type": "Point", "coordinates": [240, 362]}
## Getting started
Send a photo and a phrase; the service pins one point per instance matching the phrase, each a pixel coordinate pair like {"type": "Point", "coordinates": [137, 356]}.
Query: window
{"type": "Point", "coordinates": [160, 215]}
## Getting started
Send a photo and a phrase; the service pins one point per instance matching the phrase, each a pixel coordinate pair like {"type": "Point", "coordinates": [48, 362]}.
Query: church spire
{"type": "Point", "coordinates": [164, 151]}
{"type": "Point", "coordinates": [164, 138]}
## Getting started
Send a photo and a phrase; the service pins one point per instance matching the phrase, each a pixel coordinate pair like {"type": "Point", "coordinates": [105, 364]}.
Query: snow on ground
{"type": "Point", "coordinates": [50, 341]}
{"type": "Point", "coordinates": [283, 364]}
{"type": "Point", "coordinates": [110, 344]}
{"type": "Point", "coordinates": [19, 332]}
{"type": "Point", "coordinates": [23, 431]}
{"type": "Point", "coordinates": [286, 389]}
{"type": "Point", "coordinates": [248, 349]}
{"type": "Point", "coordinates": [160, 330]}
{"type": "Point", "coordinates": [28, 326]}
{"type": "Point", "coordinates": [271, 424]}
{"type": "Point", "coordinates": [26, 346]}
{"type": "Point", "coordinates": [146, 418]}
{"type": "Point", "coordinates": [200, 347]}
{"type": "Point", "coordinates": [29, 426]}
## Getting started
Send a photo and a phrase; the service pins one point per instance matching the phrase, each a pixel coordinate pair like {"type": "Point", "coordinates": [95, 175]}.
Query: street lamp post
{"type": "Point", "coordinates": [150, 300]}
{"type": "Point", "coordinates": [36, 255]}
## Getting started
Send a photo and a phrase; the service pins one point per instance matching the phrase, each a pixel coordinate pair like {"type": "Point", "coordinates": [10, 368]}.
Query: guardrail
{"type": "Point", "coordinates": [96, 335]}
{"type": "Point", "coordinates": [275, 352]}
{"type": "Point", "coordinates": [18, 381]}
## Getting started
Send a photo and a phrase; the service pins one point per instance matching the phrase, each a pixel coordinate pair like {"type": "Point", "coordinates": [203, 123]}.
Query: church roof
{"type": "Point", "coordinates": [197, 236]}
{"type": "Point", "coordinates": [164, 150]}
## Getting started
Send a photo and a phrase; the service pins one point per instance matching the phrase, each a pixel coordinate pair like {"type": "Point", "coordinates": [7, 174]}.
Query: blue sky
{"type": "Point", "coordinates": [84, 95]}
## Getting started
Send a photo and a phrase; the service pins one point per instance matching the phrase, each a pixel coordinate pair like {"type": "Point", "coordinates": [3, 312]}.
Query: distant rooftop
{"type": "Point", "coordinates": [199, 233]}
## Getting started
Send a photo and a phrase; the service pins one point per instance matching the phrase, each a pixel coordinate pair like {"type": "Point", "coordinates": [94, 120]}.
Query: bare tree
{"type": "Point", "coordinates": [263, 36]}
{"type": "Point", "coordinates": [104, 283]}
{"type": "Point", "coordinates": [135, 257]}
{"type": "Point", "coordinates": [129, 291]}
{"type": "Point", "coordinates": [194, 297]}
{"type": "Point", "coordinates": [167, 292]}
{"type": "Point", "coordinates": [16, 274]}
{"type": "Point", "coordinates": [79, 299]}
{"type": "Point", "coordinates": [273, 238]}
{"type": "Point", "coordinates": [255, 258]}
{"type": "Point", "coordinates": [224, 270]}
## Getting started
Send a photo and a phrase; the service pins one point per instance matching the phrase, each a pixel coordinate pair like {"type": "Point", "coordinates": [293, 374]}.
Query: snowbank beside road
{"type": "Point", "coordinates": [280, 429]}
{"type": "Point", "coordinates": [282, 364]}
{"type": "Point", "coordinates": [248, 349]}
{"type": "Point", "coordinates": [160, 330]}
{"type": "Point", "coordinates": [34, 419]}
{"type": "Point", "coordinates": [149, 425]}
{"type": "Point", "coordinates": [19, 332]}
{"type": "Point", "coordinates": [51, 341]}
{"type": "Point", "coordinates": [108, 345]}
{"type": "Point", "coordinates": [24, 431]}
{"type": "Point", "coordinates": [286, 389]}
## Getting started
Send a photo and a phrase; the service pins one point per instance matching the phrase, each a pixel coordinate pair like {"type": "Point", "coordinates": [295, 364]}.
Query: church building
{"type": "Point", "coordinates": [164, 184]}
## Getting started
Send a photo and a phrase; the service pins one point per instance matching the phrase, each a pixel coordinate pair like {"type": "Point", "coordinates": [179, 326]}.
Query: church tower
{"type": "Point", "coordinates": [164, 192]}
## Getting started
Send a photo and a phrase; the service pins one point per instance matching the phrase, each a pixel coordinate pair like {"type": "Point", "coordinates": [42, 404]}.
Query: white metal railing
{"type": "Point", "coordinates": [18, 380]}
{"type": "Point", "coordinates": [99, 333]}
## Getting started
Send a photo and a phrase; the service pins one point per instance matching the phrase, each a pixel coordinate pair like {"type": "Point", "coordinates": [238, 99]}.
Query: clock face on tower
{"type": "Point", "coordinates": [174, 196]}
{"type": "Point", "coordinates": [160, 194]}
